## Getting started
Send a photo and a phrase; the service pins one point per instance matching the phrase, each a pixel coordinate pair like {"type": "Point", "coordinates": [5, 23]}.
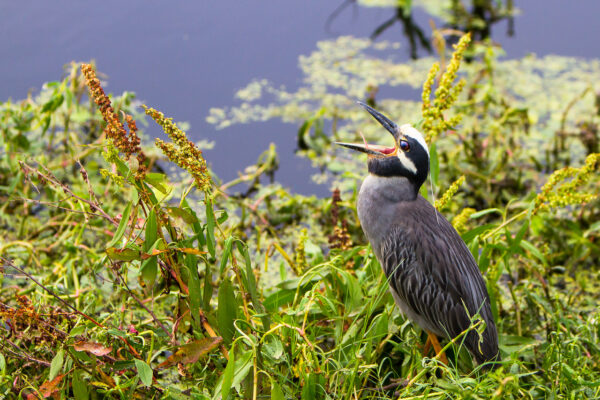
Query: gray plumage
{"type": "Point", "coordinates": [432, 274]}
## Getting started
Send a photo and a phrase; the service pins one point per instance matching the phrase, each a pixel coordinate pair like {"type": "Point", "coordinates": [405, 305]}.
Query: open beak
{"type": "Point", "coordinates": [373, 149]}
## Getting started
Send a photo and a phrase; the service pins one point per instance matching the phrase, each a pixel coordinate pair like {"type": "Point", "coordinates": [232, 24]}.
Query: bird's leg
{"type": "Point", "coordinates": [427, 345]}
{"type": "Point", "coordinates": [432, 339]}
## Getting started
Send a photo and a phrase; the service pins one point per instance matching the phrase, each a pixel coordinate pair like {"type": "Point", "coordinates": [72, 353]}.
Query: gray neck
{"type": "Point", "coordinates": [378, 202]}
{"type": "Point", "coordinates": [392, 189]}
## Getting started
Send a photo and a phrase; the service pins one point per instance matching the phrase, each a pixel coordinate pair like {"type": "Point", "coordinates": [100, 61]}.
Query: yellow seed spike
{"type": "Point", "coordinates": [446, 93]}
{"type": "Point", "coordinates": [441, 203]}
{"type": "Point", "coordinates": [559, 191]}
{"type": "Point", "coordinates": [182, 151]}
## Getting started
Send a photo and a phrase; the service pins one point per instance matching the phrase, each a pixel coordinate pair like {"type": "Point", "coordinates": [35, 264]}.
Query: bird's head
{"type": "Point", "coordinates": [408, 158]}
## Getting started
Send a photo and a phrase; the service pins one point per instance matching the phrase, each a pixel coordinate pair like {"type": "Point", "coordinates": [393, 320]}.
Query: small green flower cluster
{"type": "Point", "coordinates": [460, 221]}
{"type": "Point", "coordinates": [118, 179]}
{"type": "Point", "coordinates": [555, 195]}
{"type": "Point", "coordinates": [441, 203]}
{"type": "Point", "coordinates": [110, 153]}
{"type": "Point", "coordinates": [182, 151]}
{"type": "Point", "coordinates": [301, 263]}
{"type": "Point", "coordinates": [445, 94]}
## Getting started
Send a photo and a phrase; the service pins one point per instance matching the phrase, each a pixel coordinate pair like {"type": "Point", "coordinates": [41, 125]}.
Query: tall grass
{"type": "Point", "coordinates": [120, 281]}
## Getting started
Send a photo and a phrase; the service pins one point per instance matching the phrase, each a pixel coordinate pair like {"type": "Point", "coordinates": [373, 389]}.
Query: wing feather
{"type": "Point", "coordinates": [433, 273]}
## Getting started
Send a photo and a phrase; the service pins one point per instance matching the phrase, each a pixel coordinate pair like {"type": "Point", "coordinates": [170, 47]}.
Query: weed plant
{"type": "Point", "coordinates": [119, 281]}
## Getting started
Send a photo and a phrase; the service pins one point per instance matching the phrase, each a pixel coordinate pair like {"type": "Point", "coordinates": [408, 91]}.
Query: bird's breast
{"type": "Point", "coordinates": [378, 203]}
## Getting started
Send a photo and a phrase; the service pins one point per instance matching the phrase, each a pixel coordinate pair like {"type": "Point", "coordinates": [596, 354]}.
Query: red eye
{"type": "Point", "coordinates": [404, 146]}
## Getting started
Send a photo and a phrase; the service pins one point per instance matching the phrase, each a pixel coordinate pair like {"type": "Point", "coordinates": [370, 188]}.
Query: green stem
{"type": "Point", "coordinates": [505, 223]}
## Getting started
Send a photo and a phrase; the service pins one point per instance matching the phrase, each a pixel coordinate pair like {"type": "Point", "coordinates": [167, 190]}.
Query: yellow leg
{"type": "Point", "coordinates": [432, 339]}
{"type": "Point", "coordinates": [427, 345]}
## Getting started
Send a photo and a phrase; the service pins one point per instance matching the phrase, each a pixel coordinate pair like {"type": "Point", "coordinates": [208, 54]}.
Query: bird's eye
{"type": "Point", "coordinates": [404, 146]}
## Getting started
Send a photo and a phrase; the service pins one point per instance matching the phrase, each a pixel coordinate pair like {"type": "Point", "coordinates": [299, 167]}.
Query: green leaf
{"type": "Point", "coordinates": [515, 344]}
{"type": "Point", "coordinates": [519, 236]}
{"type": "Point", "coordinates": [133, 385]}
{"type": "Point", "coordinates": [223, 217]}
{"type": "Point", "coordinates": [276, 392]}
{"type": "Point", "coordinates": [242, 367]}
{"type": "Point", "coordinates": [126, 254]}
{"type": "Point", "coordinates": [226, 311]}
{"type": "Point", "coordinates": [228, 375]}
{"type": "Point", "coordinates": [594, 227]}
{"type": "Point", "coordinates": [473, 233]}
{"type": "Point", "coordinates": [122, 365]}
{"type": "Point", "coordinates": [484, 259]}
{"type": "Point", "coordinates": [158, 181]}
{"type": "Point", "coordinates": [210, 227]}
{"type": "Point", "coordinates": [56, 364]}
{"type": "Point", "coordinates": [13, 185]}
{"type": "Point", "coordinates": [185, 215]}
{"type": "Point", "coordinates": [195, 297]}
{"type": "Point", "coordinates": [250, 278]}
{"type": "Point", "coordinates": [207, 292]}
{"type": "Point", "coordinates": [353, 294]}
{"type": "Point", "coordinates": [533, 250]}
{"type": "Point", "coordinates": [279, 298]}
{"type": "Point", "coordinates": [309, 390]}
{"type": "Point", "coordinates": [144, 372]}
{"type": "Point", "coordinates": [122, 226]}
{"type": "Point", "coordinates": [78, 330]}
{"type": "Point", "coordinates": [122, 167]}
{"type": "Point", "coordinates": [273, 347]}
{"type": "Point", "coordinates": [52, 104]}
{"type": "Point", "coordinates": [191, 352]}
{"type": "Point", "coordinates": [149, 270]}
{"type": "Point", "coordinates": [151, 233]}
{"type": "Point", "coordinates": [481, 213]}
{"type": "Point", "coordinates": [250, 284]}
{"type": "Point", "coordinates": [302, 142]}
{"type": "Point", "coordinates": [45, 123]}
{"type": "Point", "coordinates": [80, 390]}
{"type": "Point", "coordinates": [22, 141]}
{"type": "Point", "coordinates": [491, 289]}
{"type": "Point", "coordinates": [116, 332]}
{"type": "Point", "coordinates": [196, 227]}
{"type": "Point", "coordinates": [379, 327]}
{"type": "Point", "coordinates": [225, 254]}
{"type": "Point", "coordinates": [82, 356]}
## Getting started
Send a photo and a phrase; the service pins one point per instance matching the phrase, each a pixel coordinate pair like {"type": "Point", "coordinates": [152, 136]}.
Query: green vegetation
{"type": "Point", "coordinates": [120, 281]}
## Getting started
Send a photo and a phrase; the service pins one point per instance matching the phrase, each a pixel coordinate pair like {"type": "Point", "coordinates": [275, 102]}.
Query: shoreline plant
{"type": "Point", "coordinates": [119, 281]}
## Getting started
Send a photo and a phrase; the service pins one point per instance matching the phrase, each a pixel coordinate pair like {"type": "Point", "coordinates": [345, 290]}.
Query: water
{"type": "Point", "coordinates": [185, 59]}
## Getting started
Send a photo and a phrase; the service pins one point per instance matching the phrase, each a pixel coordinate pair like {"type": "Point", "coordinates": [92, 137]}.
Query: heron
{"type": "Point", "coordinates": [432, 275]}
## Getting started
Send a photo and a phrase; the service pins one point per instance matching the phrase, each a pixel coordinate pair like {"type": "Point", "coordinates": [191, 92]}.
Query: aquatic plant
{"type": "Point", "coordinates": [117, 283]}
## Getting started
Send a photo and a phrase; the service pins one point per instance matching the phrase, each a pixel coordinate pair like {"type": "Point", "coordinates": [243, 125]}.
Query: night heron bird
{"type": "Point", "coordinates": [432, 275]}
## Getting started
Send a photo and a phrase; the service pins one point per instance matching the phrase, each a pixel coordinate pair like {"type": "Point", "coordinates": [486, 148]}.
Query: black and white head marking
{"type": "Point", "coordinates": [410, 134]}
{"type": "Point", "coordinates": [409, 158]}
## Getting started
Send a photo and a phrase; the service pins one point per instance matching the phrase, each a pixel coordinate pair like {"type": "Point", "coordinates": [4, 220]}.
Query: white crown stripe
{"type": "Point", "coordinates": [409, 131]}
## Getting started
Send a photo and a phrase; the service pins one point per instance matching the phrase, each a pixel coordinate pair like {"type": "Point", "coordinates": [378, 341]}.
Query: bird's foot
{"type": "Point", "coordinates": [432, 340]}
